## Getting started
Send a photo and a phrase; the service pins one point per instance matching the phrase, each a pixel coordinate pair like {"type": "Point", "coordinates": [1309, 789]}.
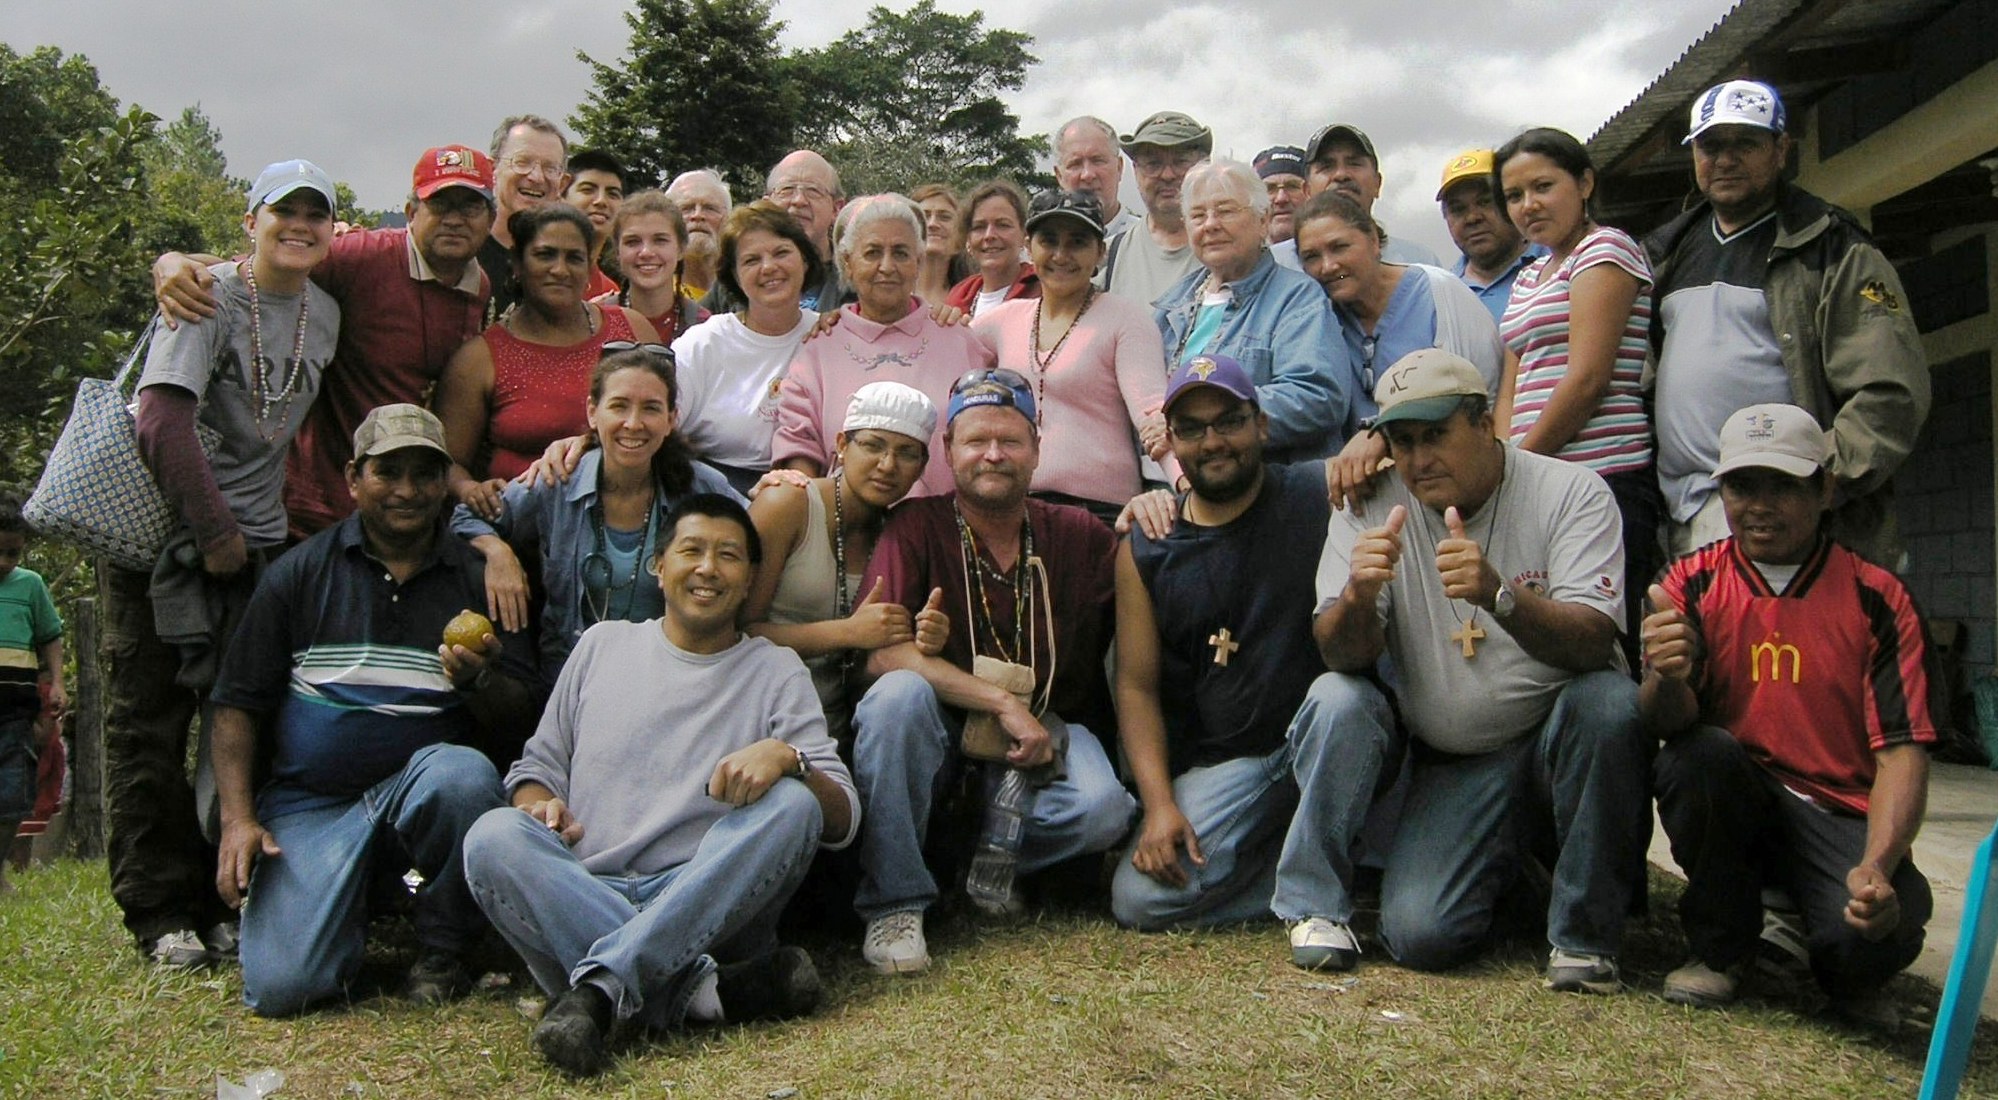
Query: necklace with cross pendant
{"type": "Point", "coordinates": [1224, 646]}
{"type": "Point", "coordinates": [1467, 635]}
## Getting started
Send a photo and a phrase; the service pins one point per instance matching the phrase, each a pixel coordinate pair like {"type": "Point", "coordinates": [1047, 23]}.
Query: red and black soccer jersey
{"type": "Point", "coordinates": [1813, 680]}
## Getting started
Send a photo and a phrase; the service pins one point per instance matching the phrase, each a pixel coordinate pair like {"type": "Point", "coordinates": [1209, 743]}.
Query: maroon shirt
{"type": "Point", "coordinates": [919, 550]}
{"type": "Point", "coordinates": [396, 334]}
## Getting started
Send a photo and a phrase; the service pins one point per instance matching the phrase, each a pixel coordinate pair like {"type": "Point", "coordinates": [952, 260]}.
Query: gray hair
{"type": "Point", "coordinates": [1227, 175]}
{"type": "Point", "coordinates": [532, 122]}
{"type": "Point", "coordinates": [703, 175]}
{"type": "Point", "coordinates": [1061, 135]}
{"type": "Point", "coordinates": [868, 209]}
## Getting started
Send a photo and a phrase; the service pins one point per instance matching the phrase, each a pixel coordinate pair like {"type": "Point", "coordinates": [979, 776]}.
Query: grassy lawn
{"type": "Point", "coordinates": [1065, 1006]}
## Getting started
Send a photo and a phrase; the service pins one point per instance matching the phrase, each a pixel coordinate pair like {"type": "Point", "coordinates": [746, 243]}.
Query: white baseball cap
{"type": "Point", "coordinates": [1778, 437]}
{"type": "Point", "coordinates": [1737, 103]}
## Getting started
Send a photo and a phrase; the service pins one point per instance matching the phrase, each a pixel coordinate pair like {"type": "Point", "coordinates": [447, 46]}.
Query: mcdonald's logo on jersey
{"type": "Point", "coordinates": [1776, 650]}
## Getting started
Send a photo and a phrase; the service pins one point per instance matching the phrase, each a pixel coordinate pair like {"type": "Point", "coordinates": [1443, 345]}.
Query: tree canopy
{"type": "Point", "coordinates": [907, 98]}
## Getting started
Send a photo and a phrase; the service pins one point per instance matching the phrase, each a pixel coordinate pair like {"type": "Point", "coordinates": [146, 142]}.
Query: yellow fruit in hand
{"type": "Point", "coordinates": [467, 629]}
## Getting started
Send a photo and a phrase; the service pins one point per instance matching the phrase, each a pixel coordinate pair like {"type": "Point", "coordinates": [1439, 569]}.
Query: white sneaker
{"type": "Point", "coordinates": [1579, 972]}
{"type": "Point", "coordinates": [895, 944]}
{"type": "Point", "coordinates": [1317, 943]}
{"type": "Point", "coordinates": [180, 948]}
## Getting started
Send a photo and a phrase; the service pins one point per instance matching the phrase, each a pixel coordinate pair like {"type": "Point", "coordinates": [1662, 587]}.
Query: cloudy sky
{"type": "Point", "coordinates": [363, 86]}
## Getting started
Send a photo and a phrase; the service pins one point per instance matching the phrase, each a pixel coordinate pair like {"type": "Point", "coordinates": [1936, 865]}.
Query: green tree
{"type": "Point", "coordinates": [915, 96]}
{"type": "Point", "coordinates": [72, 281]}
{"type": "Point", "coordinates": [197, 206]}
{"type": "Point", "coordinates": [701, 87]}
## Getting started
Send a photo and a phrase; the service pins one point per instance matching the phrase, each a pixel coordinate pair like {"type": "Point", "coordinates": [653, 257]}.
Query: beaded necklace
{"type": "Point", "coordinates": [977, 571]}
{"type": "Point", "coordinates": [1041, 365]}
{"type": "Point", "coordinates": [260, 374]}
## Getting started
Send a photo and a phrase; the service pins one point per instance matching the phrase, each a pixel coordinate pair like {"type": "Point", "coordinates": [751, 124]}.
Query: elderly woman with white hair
{"type": "Point", "coordinates": [1274, 321]}
{"type": "Point", "coordinates": [886, 335]}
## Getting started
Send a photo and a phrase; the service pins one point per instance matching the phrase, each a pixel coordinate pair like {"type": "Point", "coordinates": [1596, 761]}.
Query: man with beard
{"type": "Point", "coordinates": [1221, 692]}
{"type": "Point", "coordinates": [1030, 582]}
{"type": "Point", "coordinates": [704, 205]}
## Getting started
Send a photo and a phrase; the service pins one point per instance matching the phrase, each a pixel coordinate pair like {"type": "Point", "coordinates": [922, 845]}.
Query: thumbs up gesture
{"type": "Point", "coordinates": [877, 622]}
{"type": "Point", "coordinates": [1375, 554]}
{"type": "Point", "coordinates": [1671, 645]}
{"type": "Point", "coordinates": [1466, 574]}
{"type": "Point", "coordinates": [932, 625]}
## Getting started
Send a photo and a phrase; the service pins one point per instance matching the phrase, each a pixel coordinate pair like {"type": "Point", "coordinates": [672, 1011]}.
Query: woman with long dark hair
{"type": "Point", "coordinates": [594, 533]}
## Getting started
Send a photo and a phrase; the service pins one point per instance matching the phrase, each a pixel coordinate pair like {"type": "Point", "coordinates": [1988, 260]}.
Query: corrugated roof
{"type": "Point", "coordinates": [1705, 63]}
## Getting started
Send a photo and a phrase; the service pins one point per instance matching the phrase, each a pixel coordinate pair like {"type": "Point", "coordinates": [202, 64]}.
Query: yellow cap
{"type": "Point", "coordinates": [1463, 166]}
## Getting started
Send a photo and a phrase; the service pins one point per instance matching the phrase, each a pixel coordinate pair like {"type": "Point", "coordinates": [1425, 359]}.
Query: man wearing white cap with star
{"type": "Point", "coordinates": [1786, 677]}
{"type": "Point", "coordinates": [1490, 576]}
{"type": "Point", "coordinates": [1766, 293]}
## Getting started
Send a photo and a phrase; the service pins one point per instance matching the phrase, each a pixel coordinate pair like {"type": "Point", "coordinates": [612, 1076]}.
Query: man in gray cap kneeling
{"type": "Point", "coordinates": [1491, 577]}
{"type": "Point", "coordinates": [368, 718]}
{"type": "Point", "coordinates": [1146, 261]}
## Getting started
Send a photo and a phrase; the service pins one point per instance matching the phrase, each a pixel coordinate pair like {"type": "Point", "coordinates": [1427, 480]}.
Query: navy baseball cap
{"type": "Point", "coordinates": [1217, 371]}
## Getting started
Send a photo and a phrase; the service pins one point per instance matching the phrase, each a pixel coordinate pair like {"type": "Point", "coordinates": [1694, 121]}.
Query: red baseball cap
{"type": "Point", "coordinates": [453, 166]}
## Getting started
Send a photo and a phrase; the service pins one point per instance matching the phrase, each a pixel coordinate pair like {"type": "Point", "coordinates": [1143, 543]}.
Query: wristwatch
{"type": "Point", "coordinates": [804, 765]}
{"type": "Point", "coordinates": [1504, 603]}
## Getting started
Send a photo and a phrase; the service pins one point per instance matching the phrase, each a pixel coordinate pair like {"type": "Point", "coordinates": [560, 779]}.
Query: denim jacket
{"type": "Point", "coordinates": [1281, 328]}
{"type": "Point", "coordinates": [551, 523]}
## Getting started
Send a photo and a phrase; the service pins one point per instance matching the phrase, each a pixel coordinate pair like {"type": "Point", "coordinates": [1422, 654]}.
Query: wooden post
{"type": "Point", "coordinates": [86, 806]}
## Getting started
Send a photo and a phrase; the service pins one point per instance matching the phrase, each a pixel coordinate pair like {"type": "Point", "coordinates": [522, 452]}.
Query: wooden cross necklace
{"type": "Point", "coordinates": [1468, 633]}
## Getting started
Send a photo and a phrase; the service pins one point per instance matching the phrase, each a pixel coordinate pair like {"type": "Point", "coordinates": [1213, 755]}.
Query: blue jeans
{"type": "Point", "coordinates": [305, 923]}
{"type": "Point", "coordinates": [1734, 827]}
{"type": "Point", "coordinates": [646, 940]}
{"type": "Point", "coordinates": [904, 753]}
{"type": "Point", "coordinates": [1465, 827]}
{"type": "Point", "coordinates": [1279, 832]}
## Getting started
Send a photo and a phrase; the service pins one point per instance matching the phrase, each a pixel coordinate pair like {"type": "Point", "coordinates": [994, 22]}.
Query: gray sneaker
{"type": "Point", "coordinates": [1317, 943]}
{"type": "Point", "coordinates": [180, 949]}
{"type": "Point", "coordinates": [222, 941]}
{"type": "Point", "coordinates": [1576, 972]}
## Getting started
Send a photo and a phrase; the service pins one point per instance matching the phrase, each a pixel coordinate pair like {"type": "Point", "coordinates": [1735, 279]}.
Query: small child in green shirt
{"type": "Point", "coordinates": [30, 647]}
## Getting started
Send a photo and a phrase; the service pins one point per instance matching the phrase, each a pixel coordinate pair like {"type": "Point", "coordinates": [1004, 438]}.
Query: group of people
{"type": "Point", "coordinates": [793, 521]}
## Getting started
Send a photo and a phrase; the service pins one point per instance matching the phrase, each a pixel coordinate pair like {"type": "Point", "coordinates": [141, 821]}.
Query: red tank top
{"type": "Point", "coordinates": [541, 393]}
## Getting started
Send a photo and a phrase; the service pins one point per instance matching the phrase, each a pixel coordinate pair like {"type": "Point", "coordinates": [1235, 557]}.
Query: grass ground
{"type": "Point", "coordinates": [1067, 1006]}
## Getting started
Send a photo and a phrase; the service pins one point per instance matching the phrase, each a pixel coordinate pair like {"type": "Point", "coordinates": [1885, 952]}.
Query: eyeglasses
{"type": "Point", "coordinates": [613, 347]}
{"type": "Point", "coordinates": [529, 166]}
{"type": "Point", "coordinates": [904, 454]}
{"type": "Point", "coordinates": [457, 201]}
{"type": "Point", "coordinates": [1284, 187]}
{"type": "Point", "coordinates": [1188, 430]}
{"type": "Point", "coordinates": [1152, 164]}
{"type": "Point", "coordinates": [1219, 212]}
{"type": "Point", "coordinates": [1368, 346]}
{"type": "Point", "coordinates": [807, 191]}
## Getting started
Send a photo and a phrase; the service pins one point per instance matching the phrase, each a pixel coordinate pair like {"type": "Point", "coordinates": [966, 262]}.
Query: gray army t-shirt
{"type": "Point", "coordinates": [1558, 535]}
{"type": "Point", "coordinates": [249, 462]}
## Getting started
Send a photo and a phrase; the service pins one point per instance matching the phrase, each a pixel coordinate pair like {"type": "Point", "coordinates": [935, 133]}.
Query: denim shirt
{"type": "Point", "coordinates": [1281, 328]}
{"type": "Point", "coordinates": [552, 522]}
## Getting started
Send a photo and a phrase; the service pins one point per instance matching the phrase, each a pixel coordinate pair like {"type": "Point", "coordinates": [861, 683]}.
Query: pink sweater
{"type": "Point", "coordinates": [1108, 376]}
{"type": "Point", "coordinates": [915, 351]}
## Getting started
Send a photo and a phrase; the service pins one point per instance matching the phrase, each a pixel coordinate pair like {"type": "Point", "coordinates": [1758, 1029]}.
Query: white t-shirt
{"type": "Point", "coordinates": [989, 298]}
{"type": "Point", "coordinates": [728, 375]}
{"type": "Point", "coordinates": [1559, 536]}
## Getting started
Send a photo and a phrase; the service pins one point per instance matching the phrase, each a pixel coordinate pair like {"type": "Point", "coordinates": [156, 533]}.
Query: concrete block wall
{"type": "Point", "coordinates": [1944, 498]}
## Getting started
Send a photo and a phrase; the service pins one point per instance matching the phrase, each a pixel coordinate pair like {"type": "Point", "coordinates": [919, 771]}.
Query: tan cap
{"type": "Point", "coordinates": [1775, 436]}
{"type": "Point", "coordinates": [393, 427]}
{"type": "Point", "coordinates": [1426, 384]}
{"type": "Point", "coordinates": [1469, 164]}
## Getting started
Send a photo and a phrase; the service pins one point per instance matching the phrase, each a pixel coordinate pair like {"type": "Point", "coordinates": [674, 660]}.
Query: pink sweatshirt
{"type": "Point", "coordinates": [1108, 376]}
{"type": "Point", "coordinates": [915, 351]}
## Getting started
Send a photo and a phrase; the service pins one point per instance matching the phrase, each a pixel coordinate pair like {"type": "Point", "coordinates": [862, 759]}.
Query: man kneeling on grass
{"type": "Point", "coordinates": [654, 832]}
{"type": "Point", "coordinates": [1785, 674]}
{"type": "Point", "coordinates": [369, 719]}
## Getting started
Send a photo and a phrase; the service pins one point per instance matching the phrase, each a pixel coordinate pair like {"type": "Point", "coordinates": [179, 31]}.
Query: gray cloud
{"type": "Point", "coordinates": [363, 87]}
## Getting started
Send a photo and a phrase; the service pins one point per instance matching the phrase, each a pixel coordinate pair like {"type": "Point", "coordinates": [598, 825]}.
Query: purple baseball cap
{"type": "Point", "coordinates": [1218, 371]}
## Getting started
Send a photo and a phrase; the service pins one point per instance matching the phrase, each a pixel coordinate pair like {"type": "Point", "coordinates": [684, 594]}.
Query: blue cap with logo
{"type": "Point", "coordinates": [992, 386]}
{"type": "Point", "coordinates": [1737, 103]}
{"type": "Point", "coordinates": [1218, 371]}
